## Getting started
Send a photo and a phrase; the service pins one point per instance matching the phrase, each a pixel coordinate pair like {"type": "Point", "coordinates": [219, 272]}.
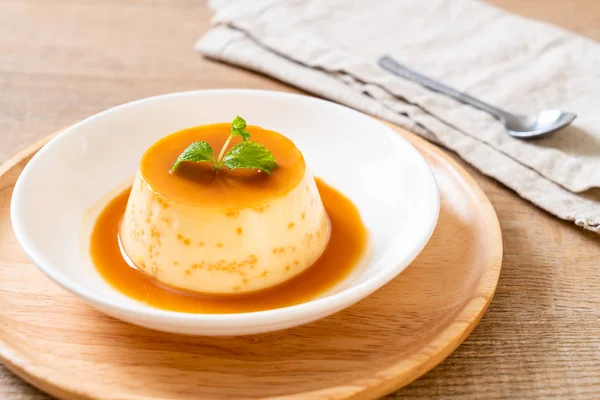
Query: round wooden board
{"type": "Point", "coordinates": [64, 347]}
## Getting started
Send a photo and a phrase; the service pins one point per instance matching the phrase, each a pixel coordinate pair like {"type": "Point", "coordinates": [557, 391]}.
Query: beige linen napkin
{"type": "Point", "coordinates": [331, 48]}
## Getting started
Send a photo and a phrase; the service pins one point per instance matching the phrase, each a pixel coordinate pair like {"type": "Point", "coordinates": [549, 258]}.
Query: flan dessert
{"type": "Point", "coordinates": [234, 223]}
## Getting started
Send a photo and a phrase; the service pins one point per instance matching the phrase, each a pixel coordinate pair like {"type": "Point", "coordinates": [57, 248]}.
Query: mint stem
{"type": "Point", "coordinates": [219, 161]}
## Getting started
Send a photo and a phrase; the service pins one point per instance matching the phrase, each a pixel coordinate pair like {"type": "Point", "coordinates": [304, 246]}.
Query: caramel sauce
{"type": "Point", "coordinates": [225, 188]}
{"type": "Point", "coordinates": [346, 246]}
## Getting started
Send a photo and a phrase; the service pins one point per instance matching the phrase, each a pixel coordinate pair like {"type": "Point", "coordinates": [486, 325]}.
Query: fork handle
{"type": "Point", "coordinates": [393, 66]}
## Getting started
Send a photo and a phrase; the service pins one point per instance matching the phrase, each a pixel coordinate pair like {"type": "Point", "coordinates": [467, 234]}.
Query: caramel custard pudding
{"type": "Point", "coordinates": [210, 239]}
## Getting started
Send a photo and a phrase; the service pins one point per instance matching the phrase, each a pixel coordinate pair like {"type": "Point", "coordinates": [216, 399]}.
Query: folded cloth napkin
{"type": "Point", "coordinates": [331, 48]}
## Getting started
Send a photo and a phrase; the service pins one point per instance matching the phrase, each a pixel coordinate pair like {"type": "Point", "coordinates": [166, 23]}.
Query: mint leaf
{"type": "Point", "coordinates": [196, 152]}
{"type": "Point", "coordinates": [250, 155]}
{"type": "Point", "coordinates": [238, 128]}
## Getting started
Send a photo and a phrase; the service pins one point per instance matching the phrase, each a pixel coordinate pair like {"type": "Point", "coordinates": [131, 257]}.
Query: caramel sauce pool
{"type": "Point", "coordinates": [346, 246]}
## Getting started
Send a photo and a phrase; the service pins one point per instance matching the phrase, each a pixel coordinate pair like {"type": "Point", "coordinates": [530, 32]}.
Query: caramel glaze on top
{"type": "Point", "coordinates": [224, 188]}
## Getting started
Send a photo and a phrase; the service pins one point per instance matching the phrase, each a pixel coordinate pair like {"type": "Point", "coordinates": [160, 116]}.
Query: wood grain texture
{"type": "Point", "coordinates": [62, 60]}
{"type": "Point", "coordinates": [365, 351]}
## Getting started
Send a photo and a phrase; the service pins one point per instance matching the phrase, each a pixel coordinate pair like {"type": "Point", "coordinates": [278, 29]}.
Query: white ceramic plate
{"type": "Point", "coordinates": [385, 177]}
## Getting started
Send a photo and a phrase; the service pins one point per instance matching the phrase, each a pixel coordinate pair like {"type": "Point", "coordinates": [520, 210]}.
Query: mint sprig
{"type": "Point", "coordinates": [247, 154]}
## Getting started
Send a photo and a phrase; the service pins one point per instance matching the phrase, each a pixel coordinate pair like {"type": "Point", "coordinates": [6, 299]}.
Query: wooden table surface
{"type": "Point", "coordinates": [61, 61]}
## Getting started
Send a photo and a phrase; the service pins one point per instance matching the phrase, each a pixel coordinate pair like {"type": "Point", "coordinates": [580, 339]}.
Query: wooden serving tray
{"type": "Point", "coordinates": [61, 345]}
